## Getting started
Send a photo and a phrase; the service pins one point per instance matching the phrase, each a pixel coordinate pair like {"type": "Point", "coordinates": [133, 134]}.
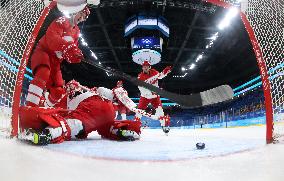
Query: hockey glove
{"type": "Point", "coordinates": [167, 70]}
{"type": "Point", "coordinates": [72, 54]}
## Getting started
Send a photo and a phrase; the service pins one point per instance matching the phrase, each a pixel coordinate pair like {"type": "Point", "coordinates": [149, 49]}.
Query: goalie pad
{"type": "Point", "coordinates": [72, 54]}
{"type": "Point", "coordinates": [39, 118]}
{"type": "Point", "coordinates": [128, 125]}
{"type": "Point", "coordinates": [121, 94]}
{"type": "Point", "coordinates": [131, 128]}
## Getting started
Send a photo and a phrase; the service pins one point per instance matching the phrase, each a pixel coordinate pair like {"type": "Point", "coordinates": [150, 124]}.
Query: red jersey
{"type": "Point", "coordinates": [59, 33]}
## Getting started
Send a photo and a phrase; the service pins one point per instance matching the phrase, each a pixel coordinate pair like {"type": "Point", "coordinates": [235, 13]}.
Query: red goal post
{"type": "Point", "coordinates": [22, 68]}
{"type": "Point", "coordinates": [262, 20]}
{"type": "Point", "coordinates": [261, 65]}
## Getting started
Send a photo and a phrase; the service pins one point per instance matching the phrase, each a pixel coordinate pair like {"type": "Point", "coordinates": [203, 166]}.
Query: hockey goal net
{"type": "Point", "coordinates": [21, 20]}
{"type": "Point", "coordinates": [17, 21]}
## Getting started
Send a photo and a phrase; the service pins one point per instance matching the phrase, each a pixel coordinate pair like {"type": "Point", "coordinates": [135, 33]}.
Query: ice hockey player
{"type": "Point", "coordinates": [118, 106]}
{"type": "Point", "coordinates": [119, 94]}
{"type": "Point", "coordinates": [151, 76]}
{"type": "Point", "coordinates": [87, 112]}
{"type": "Point", "coordinates": [59, 43]}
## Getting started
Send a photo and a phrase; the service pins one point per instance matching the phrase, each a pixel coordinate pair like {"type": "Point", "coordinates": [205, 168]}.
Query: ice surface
{"type": "Point", "coordinates": [230, 154]}
{"type": "Point", "coordinates": [179, 145]}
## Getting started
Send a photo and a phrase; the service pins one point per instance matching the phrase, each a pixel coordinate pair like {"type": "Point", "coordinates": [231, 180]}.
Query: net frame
{"type": "Point", "coordinates": [259, 18]}
{"type": "Point", "coordinates": [17, 21]}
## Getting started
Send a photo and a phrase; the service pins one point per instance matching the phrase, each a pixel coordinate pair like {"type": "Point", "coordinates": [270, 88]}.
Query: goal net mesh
{"type": "Point", "coordinates": [267, 21]}
{"type": "Point", "coordinates": [18, 19]}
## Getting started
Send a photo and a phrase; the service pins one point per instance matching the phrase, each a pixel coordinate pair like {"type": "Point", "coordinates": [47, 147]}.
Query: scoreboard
{"type": "Point", "coordinates": [146, 43]}
{"type": "Point", "coordinates": [146, 33]}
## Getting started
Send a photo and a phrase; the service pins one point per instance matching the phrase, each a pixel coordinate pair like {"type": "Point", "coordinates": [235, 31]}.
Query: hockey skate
{"type": "Point", "coordinates": [36, 137]}
{"type": "Point", "coordinates": [127, 135]}
{"type": "Point", "coordinates": [165, 123]}
{"type": "Point", "coordinates": [137, 119]}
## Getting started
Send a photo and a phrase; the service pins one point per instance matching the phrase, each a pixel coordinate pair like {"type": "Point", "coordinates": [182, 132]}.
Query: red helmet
{"type": "Point", "coordinates": [119, 83]}
{"type": "Point", "coordinates": [146, 63]}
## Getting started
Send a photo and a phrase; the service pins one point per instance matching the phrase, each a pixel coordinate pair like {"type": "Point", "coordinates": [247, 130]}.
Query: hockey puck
{"type": "Point", "coordinates": [200, 146]}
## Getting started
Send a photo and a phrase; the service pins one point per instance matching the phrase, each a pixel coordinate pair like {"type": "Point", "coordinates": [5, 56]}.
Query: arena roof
{"type": "Point", "coordinates": [193, 24]}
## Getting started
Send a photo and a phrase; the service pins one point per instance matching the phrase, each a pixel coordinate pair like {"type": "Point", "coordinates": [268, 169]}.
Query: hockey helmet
{"type": "Point", "coordinates": [119, 83]}
{"type": "Point", "coordinates": [75, 6]}
{"type": "Point", "coordinates": [71, 6]}
{"type": "Point", "coordinates": [146, 63]}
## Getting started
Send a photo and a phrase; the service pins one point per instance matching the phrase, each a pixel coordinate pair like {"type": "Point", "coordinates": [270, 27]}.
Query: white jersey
{"type": "Point", "coordinates": [151, 78]}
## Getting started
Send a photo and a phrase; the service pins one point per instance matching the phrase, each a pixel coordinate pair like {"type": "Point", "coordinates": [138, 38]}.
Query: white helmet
{"type": "Point", "coordinates": [74, 6]}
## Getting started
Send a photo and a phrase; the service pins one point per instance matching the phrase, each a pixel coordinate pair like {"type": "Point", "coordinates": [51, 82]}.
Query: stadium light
{"type": "Point", "coordinates": [108, 74]}
{"type": "Point", "coordinates": [229, 16]}
{"type": "Point", "coordinates": [94, 55]}
{"type": "Point", "coordinates": [192, 66]}
{"type": "Point", "coordinates": [223, 24]}
{"type": "Point", "coordinates": [200, 56]}
{"type": "Point", "coordinates": [232, 12]}
{"type": "Point", "coordinates": [180, 76]}
{"type": "Point", "coordinates": [214, 37]}
{"type": "Point", "coordinates": [84, 42]}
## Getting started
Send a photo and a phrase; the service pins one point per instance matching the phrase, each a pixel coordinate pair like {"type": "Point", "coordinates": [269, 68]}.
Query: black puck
{"type": "Point", "coordinates": [200, 146]}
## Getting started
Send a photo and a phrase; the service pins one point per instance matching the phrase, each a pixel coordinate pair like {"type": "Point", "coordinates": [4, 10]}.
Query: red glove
{"type": "Point", "coordinates": [73, 83]}
{"type": "Point", "coordinates": [72, 86]}
{"type": "Point", "coordinates": [167, 70]}
{"type": "Point", "coordinates": [72, 54]}
{"type": "Point", "coordinates": [94, 89]}
{"type": "Point", "coordinates": [39, 118]}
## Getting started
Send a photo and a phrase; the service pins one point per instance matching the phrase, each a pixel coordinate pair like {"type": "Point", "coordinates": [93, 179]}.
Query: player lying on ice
{"type": "Point", "coordinates": [77, 114]}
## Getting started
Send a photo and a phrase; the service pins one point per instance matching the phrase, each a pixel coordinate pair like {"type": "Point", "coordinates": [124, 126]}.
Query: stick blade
{"type": "Point", "coordinates": [218, 94]}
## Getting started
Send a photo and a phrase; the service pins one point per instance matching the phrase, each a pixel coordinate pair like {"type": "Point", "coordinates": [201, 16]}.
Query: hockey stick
{"type": "Point", "coordinates": [127, 102]}
{"type": "Point", "coordinates": [212, 96]}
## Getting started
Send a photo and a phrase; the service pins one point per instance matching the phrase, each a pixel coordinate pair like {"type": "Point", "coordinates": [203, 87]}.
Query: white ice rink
{"type": "Point", "coordinates": [230, 154]}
